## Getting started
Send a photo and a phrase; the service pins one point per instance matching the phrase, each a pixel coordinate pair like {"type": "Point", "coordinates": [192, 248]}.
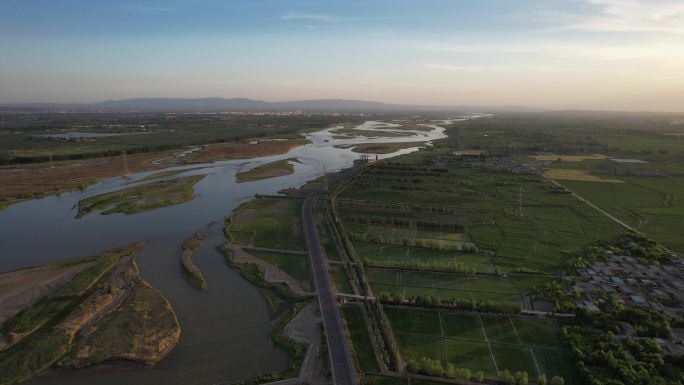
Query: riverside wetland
{"type": "Point", "coordinates": [225, 328]}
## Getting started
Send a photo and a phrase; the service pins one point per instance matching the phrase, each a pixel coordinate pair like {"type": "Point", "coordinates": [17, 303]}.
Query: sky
{"type": "Point", "coordinates": [556, 54]}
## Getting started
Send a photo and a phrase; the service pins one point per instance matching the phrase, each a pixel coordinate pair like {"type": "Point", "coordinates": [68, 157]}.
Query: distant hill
{"type": "Point", "coordinates": [249, 105]}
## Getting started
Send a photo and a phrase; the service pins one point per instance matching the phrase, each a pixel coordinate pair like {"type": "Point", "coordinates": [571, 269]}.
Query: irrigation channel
{"type": "Point", "coordinates": [225, 329]}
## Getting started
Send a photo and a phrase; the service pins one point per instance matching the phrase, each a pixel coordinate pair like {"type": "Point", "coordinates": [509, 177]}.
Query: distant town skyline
{"type": "Point", "coordinates": [555, 54]}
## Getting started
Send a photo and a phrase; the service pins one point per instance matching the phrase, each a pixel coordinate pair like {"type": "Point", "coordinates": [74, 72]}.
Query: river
{"type": "Point", "coordinates": [225, 329]}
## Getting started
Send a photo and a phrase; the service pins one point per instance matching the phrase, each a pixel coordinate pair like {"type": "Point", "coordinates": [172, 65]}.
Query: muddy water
{"type": "Point", "coordinates": [225, 329]}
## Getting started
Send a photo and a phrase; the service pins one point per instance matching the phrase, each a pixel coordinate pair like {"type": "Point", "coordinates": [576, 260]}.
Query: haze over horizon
{"type": "Point", "coordinates": [563, 54]}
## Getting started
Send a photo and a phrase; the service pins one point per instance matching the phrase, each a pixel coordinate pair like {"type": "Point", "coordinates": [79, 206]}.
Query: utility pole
{"type": "Point", "coordinates": [125, 163]}
{"type": "Point", "coordinates": [520, 207]}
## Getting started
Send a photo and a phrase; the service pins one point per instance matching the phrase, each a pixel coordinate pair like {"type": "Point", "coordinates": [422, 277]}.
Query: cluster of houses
{"type": "Point", "coordinates": [495, 161]}
{"type": "Point", "coordinates": [623, 278]}
{"type": "Point", "coordinates": [659, 287]}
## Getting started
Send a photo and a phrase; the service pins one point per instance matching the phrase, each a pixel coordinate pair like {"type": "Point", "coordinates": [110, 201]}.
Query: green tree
{"type": "Point", "coordinates": [521, 378]}
{"type": "Point", "coordinates": [507, 377]}
{"type": "Point", "coordinates": [478, 376]}
{"type": "Point", "coordinates": [541, 380]}
{"type": "Point", "coordinates": [557, 380]}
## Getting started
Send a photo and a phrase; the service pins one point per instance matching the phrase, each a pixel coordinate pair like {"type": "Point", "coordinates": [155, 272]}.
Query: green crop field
{"type": "Point", "coordinates": [653, 205]}
{"type": "Point", "coordinates": [475, 211]}
{"type": "Point", "coordinates": [391, 255]}
{"type": "Point", "coordinates": [443, 286]}
{"type": "Point", "coordinates": [481, 342]}
{"type": "Point", "coordinates": [269, 222]}
{"type": "Point", "coordinates": [358, 330]}
{"type": "Point", "coordinates": [341, 280]}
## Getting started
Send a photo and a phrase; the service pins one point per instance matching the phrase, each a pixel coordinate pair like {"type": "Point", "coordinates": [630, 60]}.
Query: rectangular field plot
{"type": "Point", "coordinates": [360, 338]}
{"type": "Point", "coordinates": [414, 321]}
{"type": "Point", "coordinates": [376, 379]}
{"type": "Point", "coordinates": [555, 362]}
{"type": "Point", "coordinates": [472, 355]}
{"type": "Point", "coordinates": [394, 255]}
{"type": "Point", "coordinates": [528, 284]}
{"type": "Point", "coordinates": [415, 291]}
{"type": "Point", "coordinates": [443, 286]}
{"type": "Point", "coordinates": [543, 332]}
{"type": "Point", "coordinates": [411, 235]}
{"type": "Point", "coordinates": [462, 326]}
{"type": "Point", "coordinates": [453, 295]}
{"type": "Point", "coordinates": [415, 347]}
{"type": "Point", "coordinates": [499, 329]}
{"type": "Point", "coordinates": [492, 284]}
{"type": "Point", "coordinates": [514, 358]}
{"type": "Point", "coordinates": [496, 297]}
{"type": "Point", "coordinates": [482, 341]}
{"type": "Point", "coordinates": [340, 278]}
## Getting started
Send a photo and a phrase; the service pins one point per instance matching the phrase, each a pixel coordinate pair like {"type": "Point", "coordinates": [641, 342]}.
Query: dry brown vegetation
{"type": "Point", "coordinates": [41, 180]}
{"type": "Point", "coordinates": [69, 176]}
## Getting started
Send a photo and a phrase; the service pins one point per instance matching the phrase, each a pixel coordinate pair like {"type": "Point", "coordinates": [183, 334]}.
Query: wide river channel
{"type": "Point", "coordinates": [225, 329]}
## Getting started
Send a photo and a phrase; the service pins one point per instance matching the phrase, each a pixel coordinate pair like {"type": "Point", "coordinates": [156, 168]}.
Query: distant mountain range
{"type": "Point", "coordinates": [249, 105]}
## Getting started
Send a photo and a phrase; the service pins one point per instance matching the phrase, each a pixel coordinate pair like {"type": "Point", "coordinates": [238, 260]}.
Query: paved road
{"type": "Point", "coordinates": [340, 356]}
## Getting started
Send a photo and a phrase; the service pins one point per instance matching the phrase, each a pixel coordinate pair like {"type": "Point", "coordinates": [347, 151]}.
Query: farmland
{"type": "Point", "coordinates": [268, 222]}
{"type": "Point", "coordinates": [471, 246]}
{"type": "Point", "coordinates": [488, 214]}
{"type": "Point", "coordinates": [641, 154]}
{"type": "Point", "coordinates": [488, 343]}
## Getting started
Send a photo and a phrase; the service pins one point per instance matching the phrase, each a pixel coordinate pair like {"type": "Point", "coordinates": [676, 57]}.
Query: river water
{"type": "Point", "coordinates": [225, 329]}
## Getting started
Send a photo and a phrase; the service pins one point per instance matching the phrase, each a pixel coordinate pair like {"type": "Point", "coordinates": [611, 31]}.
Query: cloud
{"type": "Point", "coordinates": [309, 16]}
{"type": "Point", "coordinates": [460, 68]}
{"type": "Point", "coordinates": [656, 16]}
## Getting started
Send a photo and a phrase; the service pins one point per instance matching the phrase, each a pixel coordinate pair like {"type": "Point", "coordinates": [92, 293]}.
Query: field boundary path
{"type": "Point", "coordinates": [341, 363]}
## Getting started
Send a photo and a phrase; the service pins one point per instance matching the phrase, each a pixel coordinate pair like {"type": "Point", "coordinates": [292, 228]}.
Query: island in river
{"type": "Point", "coordinates": [82, 312]}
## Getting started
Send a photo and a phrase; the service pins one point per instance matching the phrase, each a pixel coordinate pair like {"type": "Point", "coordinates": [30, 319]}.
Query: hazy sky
{"type": "Point", "coordinates": [589, 54]}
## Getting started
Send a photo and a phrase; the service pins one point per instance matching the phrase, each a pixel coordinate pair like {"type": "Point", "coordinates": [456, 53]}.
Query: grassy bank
{"type": "Point", "coordinates": [269, 222]}
{"type": "Point", "coordinates": [192, 272]}
{"type": "Point", "coordinates": [384, 148]}
{"type": "Point", "coordinates": [268, 170]}
{"type": "Point", "coordinates": [142, 198]}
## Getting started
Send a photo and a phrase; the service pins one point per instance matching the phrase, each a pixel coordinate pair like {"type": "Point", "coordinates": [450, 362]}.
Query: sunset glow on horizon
{"type": "Point", "coordinates": [556, 54]}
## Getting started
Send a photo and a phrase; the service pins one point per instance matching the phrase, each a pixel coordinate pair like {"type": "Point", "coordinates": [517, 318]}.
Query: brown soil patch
{"type": "Point", "coordinates": [245, 215]}
{"type": "Point", "coordinates": [271, 273]}
{"type": "Point", "coordinates": [581, 175]}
